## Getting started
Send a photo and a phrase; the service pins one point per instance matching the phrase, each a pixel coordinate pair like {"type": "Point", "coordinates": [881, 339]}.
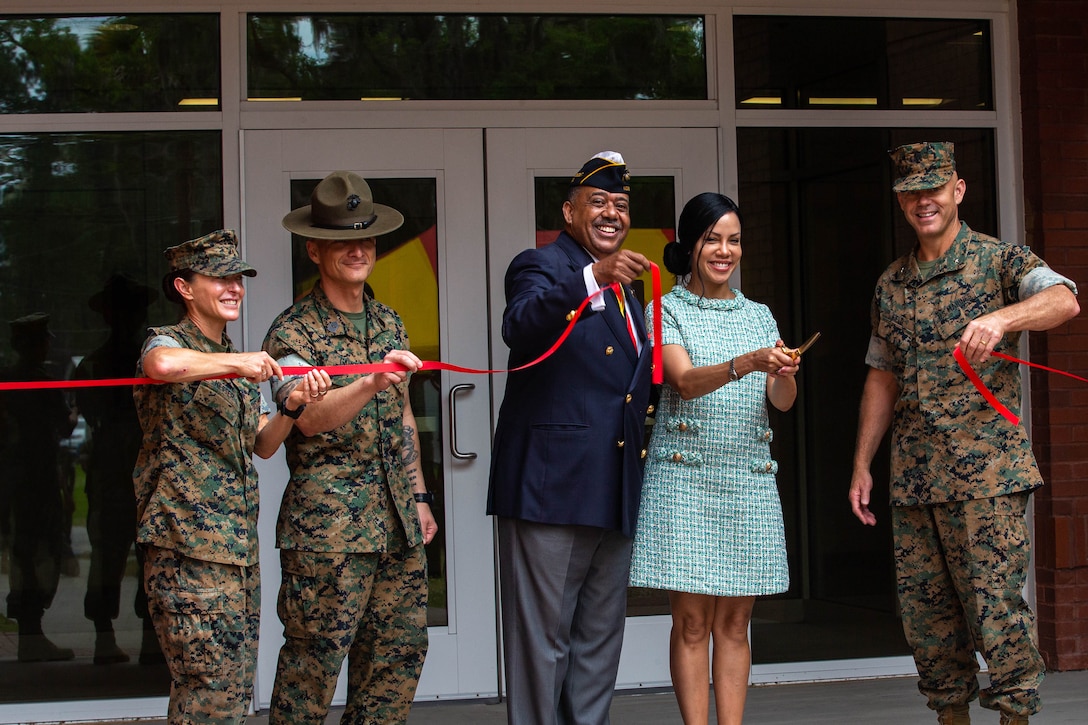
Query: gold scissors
{"type": "Point", "coordinates": [796, 353]}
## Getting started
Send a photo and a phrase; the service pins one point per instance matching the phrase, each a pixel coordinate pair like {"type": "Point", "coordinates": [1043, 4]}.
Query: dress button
{"type": "Point", "coordinates": [769, 467]}
{"type": "Point", "coordinates": [677, 458]}
{"type": "Point", "coordinates": [682, 427]}
{"type": "Point", "coordinates": [609, 350]}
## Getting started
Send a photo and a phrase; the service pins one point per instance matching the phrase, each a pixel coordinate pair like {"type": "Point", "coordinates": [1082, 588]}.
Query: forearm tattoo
{"type": "Point", "coordinates": [409, 455]}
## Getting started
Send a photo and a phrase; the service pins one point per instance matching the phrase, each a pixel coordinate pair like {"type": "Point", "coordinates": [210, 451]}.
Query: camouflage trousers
{"type": "Point", "coordinates": [960, 569]}
{"type": "Point", "coordinates": [370, 608]}
{"type": "Point", "coordinates": [207, 617]}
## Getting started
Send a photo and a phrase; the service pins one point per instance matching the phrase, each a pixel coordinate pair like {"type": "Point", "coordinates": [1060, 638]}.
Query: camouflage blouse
{"type": "Point", "coordinates": [948, 443]}
{"type": "Point", "coordinates": [348, 488]}
{"type": "Point", "coordinates": [196, 485]}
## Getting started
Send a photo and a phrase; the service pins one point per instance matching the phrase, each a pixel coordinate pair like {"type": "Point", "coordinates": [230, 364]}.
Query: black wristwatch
{"type": "Point", "coordinates": [291, 413]}
{"type": "Point", "coordinates": [427, 498]}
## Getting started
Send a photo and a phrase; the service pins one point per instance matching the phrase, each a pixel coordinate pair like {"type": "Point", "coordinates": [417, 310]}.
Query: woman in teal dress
{"type": "Point", "coordinates": [710, 528]}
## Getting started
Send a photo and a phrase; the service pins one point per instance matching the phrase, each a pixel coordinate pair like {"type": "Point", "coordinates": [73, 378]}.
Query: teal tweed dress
{"type": "Point", "coordinates": [711, 519]}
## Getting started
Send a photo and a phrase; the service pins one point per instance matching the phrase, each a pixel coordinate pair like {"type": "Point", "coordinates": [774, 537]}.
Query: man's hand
{"type": "Point", "coordinates": [860, 488]}
{"type": "Point", "coordinates": [405, 359]}
{"type": "Point", "coordinates": [981, 336]}
{"type": "Point", "coordinates": [623, 266]}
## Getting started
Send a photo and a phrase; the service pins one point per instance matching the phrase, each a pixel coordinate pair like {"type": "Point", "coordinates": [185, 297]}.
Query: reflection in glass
{"type": "Point", "coordinates": [653, 214]}
{"type": "Point", "coordinates": [862, 63]}
{"type": "Point", "coordinates": [109, 64]}
{"type": "Point", "coordinates": [84, 218]}
{"type": "Point", "coordinates": [405, 278]}
{"type": "Point", "coordinates": [820, 225]}
{"type": "Point", "coordinates": [475, 57]}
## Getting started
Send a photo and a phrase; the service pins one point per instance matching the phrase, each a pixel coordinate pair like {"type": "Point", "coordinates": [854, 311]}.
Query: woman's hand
{"type": "Point", "coordinates": [311, 389]}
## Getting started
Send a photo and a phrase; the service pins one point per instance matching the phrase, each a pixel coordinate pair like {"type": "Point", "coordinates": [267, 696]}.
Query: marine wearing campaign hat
{"type": "Point", "coordinates": [925, 165]}
{"type": "Point", "coordinates": [606, 171]}
{"type": "Point", "coordinates": [343, 207]}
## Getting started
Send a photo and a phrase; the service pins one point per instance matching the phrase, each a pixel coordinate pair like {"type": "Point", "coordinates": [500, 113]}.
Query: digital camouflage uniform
{"type": "Point", "coordinates": [961, 474]}
{"type": "Point", "coordinates": [351, 546]}
{"type": "Point", "coordinates": [196, 504]}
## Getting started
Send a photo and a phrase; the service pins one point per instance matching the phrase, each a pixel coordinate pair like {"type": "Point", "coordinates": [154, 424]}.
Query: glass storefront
{"type": "Point", "coordinates": [83, 222]}
{"type": "Point", "coordinates": [85, 214]}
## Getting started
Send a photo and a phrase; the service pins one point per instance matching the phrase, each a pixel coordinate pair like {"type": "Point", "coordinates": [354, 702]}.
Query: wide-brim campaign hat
{"type": "Point", "coordinates": [342, 207]}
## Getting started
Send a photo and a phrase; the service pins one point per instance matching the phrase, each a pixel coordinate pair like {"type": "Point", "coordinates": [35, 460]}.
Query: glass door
{"type": "Point", "coordinates": [432, 271]}
{"type": "Point", "coordinates": [528, 172]}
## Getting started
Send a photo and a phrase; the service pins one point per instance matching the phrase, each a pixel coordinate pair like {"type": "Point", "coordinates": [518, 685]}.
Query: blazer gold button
{"type": "Point", "coordinates": [570, 315]}
{"type": "Point", "coordinates": [609, 350]}
{"type": "Point", "coordinates": [619, 444]}
{"type": "Point", "coordinates": [682, 427]}
{"type": "Point", "coordinates": [649, 408]}
{"type": "Point", "coordinates": [677, 458]}
{"type": "Point", "coordinates": [628, 398]}
{"type": "Point", "coordinates": [643, 454]}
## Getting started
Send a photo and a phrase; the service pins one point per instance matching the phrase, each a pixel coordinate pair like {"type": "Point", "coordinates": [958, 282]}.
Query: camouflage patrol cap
{"type": "Point", "coordinates": [214, 255]}
{"type": "Point", "coordinates": [606, 171]}
{"type": "Point", "coordinates": [924, 165]}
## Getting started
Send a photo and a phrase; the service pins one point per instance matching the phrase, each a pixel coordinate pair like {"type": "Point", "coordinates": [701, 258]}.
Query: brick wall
{"type": "Point", "coordinates": [1054, 105]}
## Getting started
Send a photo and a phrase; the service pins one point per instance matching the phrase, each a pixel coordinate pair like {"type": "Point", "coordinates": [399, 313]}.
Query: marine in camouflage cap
{"type": "Point", "coordinates": [214, 255]}
{"type": "Point", "coordinates": [924, 165]}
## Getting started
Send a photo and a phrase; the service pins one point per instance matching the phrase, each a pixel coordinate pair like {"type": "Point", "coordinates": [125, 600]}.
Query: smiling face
{"type": "Point", "coordinates": [717, 255]}
{"type": "Point", "coordinates": [343, 263]}
{"type": "Point", "coordinates": [212, 302]}
{"type": "Point", "coordinates": [934, 213]}
{"type": "Point", "coordinates": [597, 219]}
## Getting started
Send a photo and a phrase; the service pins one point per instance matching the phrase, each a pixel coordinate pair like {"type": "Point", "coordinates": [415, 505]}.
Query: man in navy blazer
{"type": "Point", "coordinates": [566, 471]}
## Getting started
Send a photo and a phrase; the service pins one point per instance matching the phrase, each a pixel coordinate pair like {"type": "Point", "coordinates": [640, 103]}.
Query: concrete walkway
{"type": "Point", "coordinates": [888, 701]}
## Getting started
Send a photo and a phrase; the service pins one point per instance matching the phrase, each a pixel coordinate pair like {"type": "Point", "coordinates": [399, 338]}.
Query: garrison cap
{"type": "Point", "coordinates": [924, 165]}
{"type": "Point", "coordinates": [606, 171]}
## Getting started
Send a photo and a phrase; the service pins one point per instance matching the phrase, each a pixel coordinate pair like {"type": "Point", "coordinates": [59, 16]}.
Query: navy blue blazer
{"type": "Point", "coordinates": [568, 446]}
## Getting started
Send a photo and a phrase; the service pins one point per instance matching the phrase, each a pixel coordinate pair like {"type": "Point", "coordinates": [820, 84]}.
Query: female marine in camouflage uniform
{"type": "Point", "coordinates": [196, 485]}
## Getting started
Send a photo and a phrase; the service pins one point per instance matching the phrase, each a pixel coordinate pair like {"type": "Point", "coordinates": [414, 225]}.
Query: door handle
{"type": "Point", "coordinates": [453, 421]}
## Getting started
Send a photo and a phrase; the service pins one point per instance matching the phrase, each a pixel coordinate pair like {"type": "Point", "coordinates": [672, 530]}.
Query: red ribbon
{"type": "Point", "coordinates": [986, 392]}
{"type": "Point", "coordinates": [367, 368]}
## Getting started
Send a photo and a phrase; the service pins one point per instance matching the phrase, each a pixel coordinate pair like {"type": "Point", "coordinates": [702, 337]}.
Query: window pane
{"type": "Point", "coordinates": [83, 222]}
{"type": "Point", "coordinates": [820, 225]}
{"type": "Point", "coordinates": [475, 57]}
{"type": "Point", "coordinates": [112, 63]}
{"type": "Point", "coordinates": [406, 279]}
{"type": "Point", "coordinates": [862, 63]}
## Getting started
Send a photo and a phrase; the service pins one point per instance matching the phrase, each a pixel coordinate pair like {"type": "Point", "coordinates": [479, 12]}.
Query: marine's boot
{"type": "Point", "coordinates": [38, 648]}
{"type": "Point", "coordinates": [955, 715]}
{"type": "Point", "coordinates": [106, 651]}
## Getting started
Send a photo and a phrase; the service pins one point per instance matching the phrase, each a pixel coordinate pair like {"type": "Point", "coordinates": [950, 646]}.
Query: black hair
{"type": "Point", "coordinates": [700, 214]}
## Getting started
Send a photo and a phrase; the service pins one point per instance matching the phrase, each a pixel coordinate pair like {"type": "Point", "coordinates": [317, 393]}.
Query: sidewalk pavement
{"type": "Point", "coordinates": [885, 701]}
